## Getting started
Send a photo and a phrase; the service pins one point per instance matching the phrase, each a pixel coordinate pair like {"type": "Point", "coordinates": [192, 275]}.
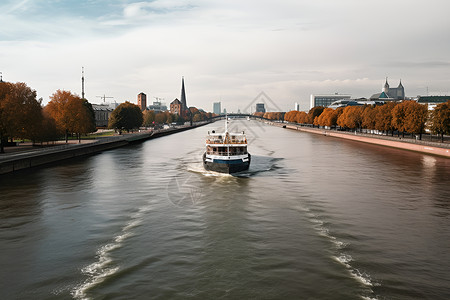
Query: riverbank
{"type": "Point", "coordinates": [433, 148]}
{"type": "Point", "coordinates": [34, 157]}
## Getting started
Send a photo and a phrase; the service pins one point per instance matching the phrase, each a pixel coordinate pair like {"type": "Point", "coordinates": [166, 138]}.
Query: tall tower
{"type": "Point", "coordinates": [386, 87]}
{"type": "Point", "coordinates": [142, 101]}
{"type": "Point", "coordinates": [82, 82]}
{"type": "Point", "coordinates": [400, 91]}
{"type": "Point", "coordinates": [183, 96]}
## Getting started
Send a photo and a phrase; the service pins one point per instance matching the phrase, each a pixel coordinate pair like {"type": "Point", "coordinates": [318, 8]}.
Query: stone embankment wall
{"type": "Point", "coordinates": [20, 161]}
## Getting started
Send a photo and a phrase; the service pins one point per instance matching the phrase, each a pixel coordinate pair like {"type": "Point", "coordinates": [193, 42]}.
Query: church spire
{"type": "Point", "coordinates": [183, 95]}
{"type": "Point", "coordinates": [386, 87]}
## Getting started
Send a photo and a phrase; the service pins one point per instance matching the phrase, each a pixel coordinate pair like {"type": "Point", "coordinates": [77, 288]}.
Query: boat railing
{"type": "Point", "coordinates": [226, 141]}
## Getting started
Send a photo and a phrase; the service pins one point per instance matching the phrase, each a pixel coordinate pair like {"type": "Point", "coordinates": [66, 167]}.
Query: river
{"type": "Point", "coordinates": [314, 217]}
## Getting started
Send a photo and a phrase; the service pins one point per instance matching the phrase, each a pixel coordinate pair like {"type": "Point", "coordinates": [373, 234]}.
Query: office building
{"type": "Point", "coordinates": [326, 100]}
{"type": "Point", "coordinates": [217, 108]}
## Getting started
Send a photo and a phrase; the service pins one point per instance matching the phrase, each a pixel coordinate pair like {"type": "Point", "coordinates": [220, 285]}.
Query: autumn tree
{"type": "Point", "coordinates": [126, 116]}
{"type": "Point", "coordinates": [351, 117]}
{"type": "Point", "coordinates": [399, 117]}
{"type": "Point", "coordinates": [20, 112]}
{"type": "Point", "coordinates": [291, 116]}
{"type": "Point", "coordinates": [383, 120]}
{"type": "Point", "coordinates": [313, 113]}
{"type": "Point", "coordinates": [440, 119]}
{"type": "Point", "coordinates": [369, 117]}
{"type": "Point", "coordinates": [71, 113]}
{"type": "Point", "coordinates": [328, 117]}
{"type": "Point", "coordinates": [416, 117]}
{"type": "Point", "coordinates": [302, 117]}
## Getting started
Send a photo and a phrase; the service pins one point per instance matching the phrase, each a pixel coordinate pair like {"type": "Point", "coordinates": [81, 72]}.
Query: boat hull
{"type": "Point", "coordinates": [226, 166]}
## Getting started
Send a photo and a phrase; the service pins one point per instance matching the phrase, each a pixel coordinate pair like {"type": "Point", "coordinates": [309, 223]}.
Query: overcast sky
{"type": "Point", "coordinates": [228, 50]}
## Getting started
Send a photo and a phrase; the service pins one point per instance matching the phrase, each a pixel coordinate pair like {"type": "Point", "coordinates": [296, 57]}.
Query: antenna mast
{"type": "Point", "coordinates": [82, 82]}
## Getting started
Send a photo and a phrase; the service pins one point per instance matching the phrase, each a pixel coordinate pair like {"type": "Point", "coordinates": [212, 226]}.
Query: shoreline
{"type": "Point", "coordinates": [385, 141]}
{"type": "Point", "coordinates": [18, 161]}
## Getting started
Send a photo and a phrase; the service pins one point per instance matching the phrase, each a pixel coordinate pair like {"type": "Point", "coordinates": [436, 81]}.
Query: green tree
{"type": "Point", "coordinates": [126, 116]}
{"type": "Point", "coordinates": [83, 116]}
{"type": "Point", "coordinates": [149, 118]}
{"type": "Point", "coordinates": [440, 119]}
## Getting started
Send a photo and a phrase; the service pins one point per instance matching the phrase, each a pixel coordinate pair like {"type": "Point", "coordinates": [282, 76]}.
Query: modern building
{"type": "Point", "coordinates": [354, 102]}
{"type": "Point", "coordinates": [217, 108]}
{"type": "Point", "coordinates": [326, 100]}
{"type": "Point", "coordinates": [260, 107]}
{"type": "Point", "coordinates": [390, 94]}
{"type": "Point", "coordinates": [158, 107]}
{"type": "Point", "coordinates": [432, 101]}
{"type": "Point", "coordinates": [175, 107]}
{"type": "Point", "coordinates": [102, 113]}
{"type": "Point", "coordinates": [297, 106]}
{"type": "Point", "coordinates": [142, 101]}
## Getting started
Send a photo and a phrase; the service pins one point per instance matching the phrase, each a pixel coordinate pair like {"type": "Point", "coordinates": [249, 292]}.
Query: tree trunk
{"type": "Point", "coordinates": [442, 137]}
{"type": "Point", "coordinates": [2, 149]}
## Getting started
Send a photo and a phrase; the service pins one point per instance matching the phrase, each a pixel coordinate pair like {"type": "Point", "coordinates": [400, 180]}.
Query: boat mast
{"type": "Point", "coordinates": [226, 123]}
{"type": "Point", "coordinates": [226, 135]}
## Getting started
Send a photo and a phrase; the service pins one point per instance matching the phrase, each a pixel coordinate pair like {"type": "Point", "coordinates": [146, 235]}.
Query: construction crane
{"type": "Point", "coordinates": [104, 97]}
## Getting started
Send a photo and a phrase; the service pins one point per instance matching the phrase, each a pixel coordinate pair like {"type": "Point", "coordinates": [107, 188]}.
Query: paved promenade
{"type": "Point", "coordinates": [26, 156]}
{"type": "Point", "coordinates": [434, 148]}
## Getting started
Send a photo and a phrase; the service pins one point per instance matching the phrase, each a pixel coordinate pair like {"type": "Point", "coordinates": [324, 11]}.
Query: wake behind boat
{"type": "Point", "coordinates": [226, 152]}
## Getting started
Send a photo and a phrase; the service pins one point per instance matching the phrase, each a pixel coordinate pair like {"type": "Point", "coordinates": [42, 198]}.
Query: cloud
{"type": "Point", "coordinates": [229, 49]}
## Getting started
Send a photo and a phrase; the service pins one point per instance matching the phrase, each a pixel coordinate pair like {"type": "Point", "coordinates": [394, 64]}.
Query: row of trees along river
{"type": "Point", "coordinates": [402, 117]}
{"type": "Point", "coordinates": [22, 116]}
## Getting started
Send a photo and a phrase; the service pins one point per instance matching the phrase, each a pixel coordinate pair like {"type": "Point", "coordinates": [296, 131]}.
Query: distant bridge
{"type": "Point", "coordinates": [233, 115]}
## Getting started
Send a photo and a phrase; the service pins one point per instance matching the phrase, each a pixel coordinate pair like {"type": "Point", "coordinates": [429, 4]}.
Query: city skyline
{"type": "Point", "coordinates": [227, 51]}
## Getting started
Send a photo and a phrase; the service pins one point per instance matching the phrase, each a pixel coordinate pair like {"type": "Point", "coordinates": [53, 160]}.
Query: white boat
{"type": "Point", "coordinates": [226, 152]}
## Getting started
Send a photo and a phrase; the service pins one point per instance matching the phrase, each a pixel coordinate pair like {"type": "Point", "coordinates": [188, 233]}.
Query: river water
{"type": "Point", "coordinates": [315, 217]}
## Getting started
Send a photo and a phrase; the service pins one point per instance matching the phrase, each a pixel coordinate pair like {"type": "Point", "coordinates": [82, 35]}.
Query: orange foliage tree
{"type": "Point", "coordinates": [313, 113]}
{"type": "Point", "coordinates": [274, 115]}
{"type": "Point", "coordinates": [383, 119]}
{"type": "Point", "coordinates": [399, 118]}
{"type": "Point", "coordinates": [351, 117]}
{"type": "Point", "coordinates": [20, 112]}
{"type": "Point", "coordinates": [416, 117]}
{"type": "Point", "coordinates": [440, 119]}
{"type": "Point", "coordinates": [71, 113]}
{"type": "Point", "coordinates": [369, 116]}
